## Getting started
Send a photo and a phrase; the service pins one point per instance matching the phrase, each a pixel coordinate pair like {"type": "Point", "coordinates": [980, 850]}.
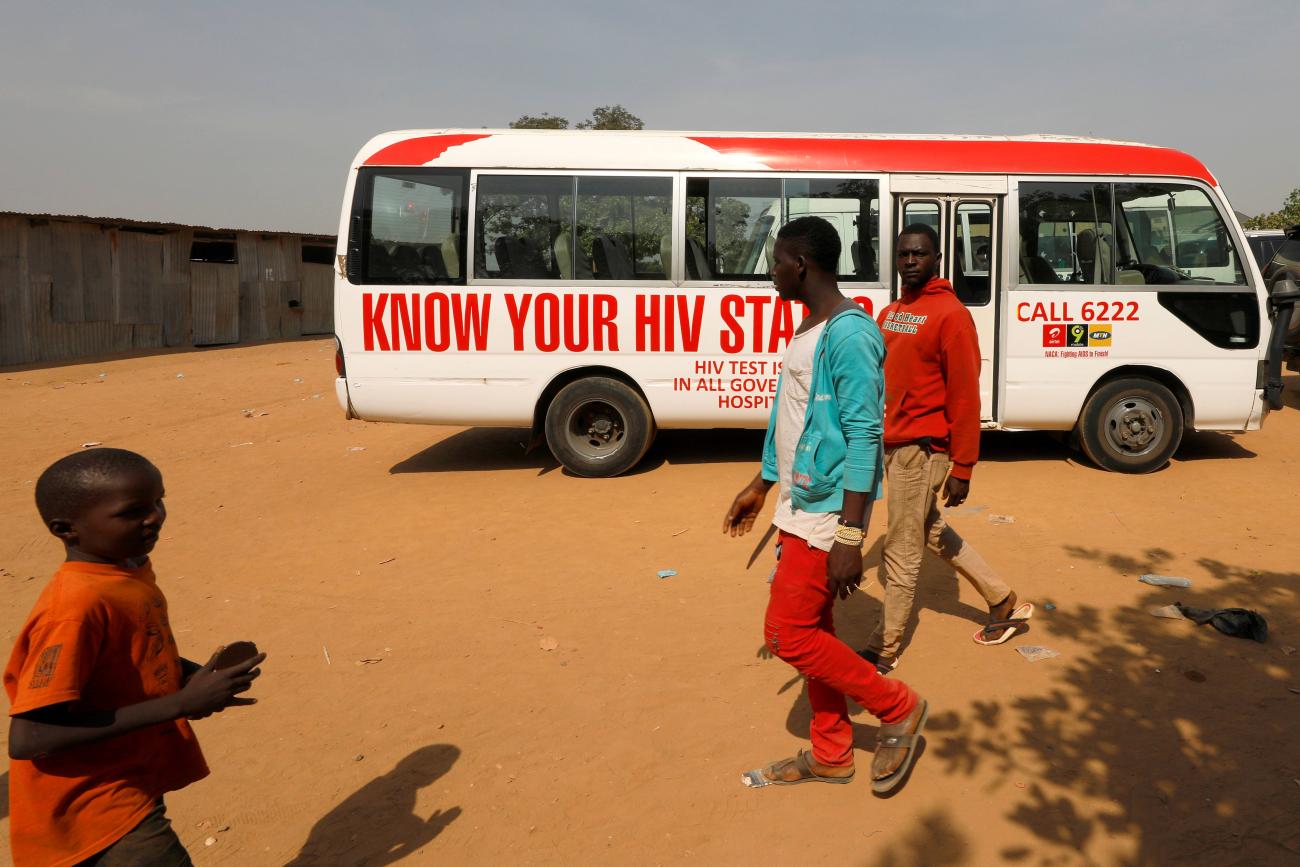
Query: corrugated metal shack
{"type": "Point", "coordinates": [74, 287]}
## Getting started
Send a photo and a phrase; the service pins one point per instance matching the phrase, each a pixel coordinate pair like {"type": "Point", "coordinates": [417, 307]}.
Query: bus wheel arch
{"type": "Point", "coordinates": [596, 421]}
{"type": "Point", "coordinates": [1134, 419]}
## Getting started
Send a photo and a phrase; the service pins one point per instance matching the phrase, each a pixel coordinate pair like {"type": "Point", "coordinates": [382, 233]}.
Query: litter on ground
{"type": "Point", "coordinates": [1165, 581]}
{"type": "Point", "coordinates": [1033, 653]}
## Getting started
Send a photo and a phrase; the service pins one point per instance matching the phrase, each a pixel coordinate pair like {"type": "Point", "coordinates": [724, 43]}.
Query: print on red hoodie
{"type": "Point", "coordinates": [932, 374]}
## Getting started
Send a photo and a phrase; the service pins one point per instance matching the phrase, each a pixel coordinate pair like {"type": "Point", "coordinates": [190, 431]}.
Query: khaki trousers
{"type": "Point", "coordinates": [915, 476]}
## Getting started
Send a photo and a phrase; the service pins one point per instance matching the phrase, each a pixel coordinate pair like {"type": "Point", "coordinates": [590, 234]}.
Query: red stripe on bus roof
{"type": "Point", "coordinates": [960, 155]}
{"type": "Point", "coordinates": [418, 151]}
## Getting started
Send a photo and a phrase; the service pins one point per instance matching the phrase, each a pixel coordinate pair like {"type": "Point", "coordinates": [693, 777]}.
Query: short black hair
{"type": "Point", "coordinates": [817, 239]}
{"type": "Point", "coordinates": [923, 229]}
{"type": "Point", "coordinates": [71, 484]}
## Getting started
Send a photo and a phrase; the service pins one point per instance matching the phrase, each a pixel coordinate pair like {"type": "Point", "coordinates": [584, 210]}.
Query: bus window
{"type": "Point", "coordinates": [624, 228]}
{"type": "Point", "coordinates": [1172, 233]}
{"type": "Point", "coordinates": [973, 230]}
{"type": "Point", "coordinates": [853, 208]}
{"type": "Point", "coordinates": [1066, 234]}
{"type": "Point", "coordinates": [925, 213]}
{"type": "Point", "coordinates": [731, 223]}
{"type": "Point", "coordinates": [517, 220]}
{"type": "Point", "coordinates": [728, 221]}
{"type": "Point", "coordinates": [413, 227]}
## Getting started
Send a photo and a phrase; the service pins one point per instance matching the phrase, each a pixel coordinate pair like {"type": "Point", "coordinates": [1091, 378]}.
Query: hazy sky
{"type": "Point", "coordinates": [246, 114]}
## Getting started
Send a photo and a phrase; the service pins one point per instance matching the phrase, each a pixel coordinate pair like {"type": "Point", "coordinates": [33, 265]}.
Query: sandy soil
{"type": "Point", "coordinates": [404, 579]}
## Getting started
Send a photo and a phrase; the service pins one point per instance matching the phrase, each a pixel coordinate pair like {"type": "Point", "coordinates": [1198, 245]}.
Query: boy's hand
{"type": "Point", "coordinates": [955, 491]}
{"type": "Point", "coordinates": [744, 509]}
{"type": "Point", "coordinates": [843, 570]}
{"type": "Point", "coordinates": [211, 690]}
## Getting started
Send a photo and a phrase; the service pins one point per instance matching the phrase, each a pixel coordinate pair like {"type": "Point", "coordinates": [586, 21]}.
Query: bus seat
{"type": "Point", "coordinates": [1037, 270]}
{"type": "Point", "coordinates": [517, 257]}
{"type": "Point", "coordinates": [407, 264]}
{"type": "Point", "coordinates": [857, 260]}
{"type": "Point", "coordinates": [434, 269]}
{"type": "Point", "coordinates": [451, 256]}
{"type": "Point", "coordinates": [612, 259]}
{"type": "Point", "coordinates": [697, 261]}
{"type": "Point", "coordinates": [571, 267]}
{"type": "Point", "coordinates": [666, 256]}
{"type": "Point", "coordinates": [1094, 256]}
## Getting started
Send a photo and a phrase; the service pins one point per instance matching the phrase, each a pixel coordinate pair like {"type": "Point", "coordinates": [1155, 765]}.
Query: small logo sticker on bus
{"type": "Point", "coordinates": [1054, 335]}
{"type": "Point", "coordinates": [1099, 335]}
{"type": "Point", "coordinates": [1076, 335]}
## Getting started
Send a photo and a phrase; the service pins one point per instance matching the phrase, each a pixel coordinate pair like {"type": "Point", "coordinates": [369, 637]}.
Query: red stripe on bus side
{"type": "Point", "coordinates": [955, 155]}
{"type": "Point", "coordinates": [418, 151]}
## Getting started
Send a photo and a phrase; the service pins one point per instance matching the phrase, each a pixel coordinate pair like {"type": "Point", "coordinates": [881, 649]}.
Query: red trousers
{"type": "Point", "coordinates": [800, 629]}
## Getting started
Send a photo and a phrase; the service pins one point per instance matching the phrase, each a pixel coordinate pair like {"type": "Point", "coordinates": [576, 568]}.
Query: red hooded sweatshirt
{"type": "Point", "coordinates": [932, 374]}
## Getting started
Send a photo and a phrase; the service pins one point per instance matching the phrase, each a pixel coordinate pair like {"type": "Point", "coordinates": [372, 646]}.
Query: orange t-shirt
{"type": "Point", "coordinates": [98, 637]}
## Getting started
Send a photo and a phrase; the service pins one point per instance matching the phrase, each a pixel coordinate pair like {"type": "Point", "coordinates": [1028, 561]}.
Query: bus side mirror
{"type": "Point", "coordinates": [1281, 305]}
{"type": "Point", "coordinates": [1285, 294]}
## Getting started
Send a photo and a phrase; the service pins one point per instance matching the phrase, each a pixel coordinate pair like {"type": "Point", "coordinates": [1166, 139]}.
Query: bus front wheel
{"type": "Point", "coordinates": [598, 427]}
{"type": "Point", "coordinates": [1131, 426]}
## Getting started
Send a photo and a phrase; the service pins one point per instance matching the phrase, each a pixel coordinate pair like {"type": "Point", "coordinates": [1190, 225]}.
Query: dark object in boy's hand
{"type": "Point", "coordinates": [233, 654]}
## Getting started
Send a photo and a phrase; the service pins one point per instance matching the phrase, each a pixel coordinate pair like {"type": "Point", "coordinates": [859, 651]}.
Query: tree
{"type": "Point", "coordinates": [603, 117]}
{"type": "Point", "coordinates": [612, 117]}
{"type": "Point", "coordinates": [541, 121]}
{"type": "Point", "coordinates": [1284, 219]}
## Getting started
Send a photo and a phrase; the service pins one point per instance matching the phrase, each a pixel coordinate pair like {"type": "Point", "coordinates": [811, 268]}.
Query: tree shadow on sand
{"type": "Point", "coordinates": [377, 824]}
{"type": "Point", "coordinates": [1173, 738]}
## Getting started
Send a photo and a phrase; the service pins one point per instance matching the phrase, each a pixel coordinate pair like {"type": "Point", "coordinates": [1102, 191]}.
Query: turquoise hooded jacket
{"type": "Point", "coordinates": [842, 444]}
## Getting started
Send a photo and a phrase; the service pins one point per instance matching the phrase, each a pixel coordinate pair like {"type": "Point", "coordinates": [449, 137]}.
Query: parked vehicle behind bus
{"type": "Point", "coordinates": [599, 286]}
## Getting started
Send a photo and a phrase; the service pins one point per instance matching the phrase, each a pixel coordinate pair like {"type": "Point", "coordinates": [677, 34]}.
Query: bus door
{"type": "Point", "coordinates": [968, 227]}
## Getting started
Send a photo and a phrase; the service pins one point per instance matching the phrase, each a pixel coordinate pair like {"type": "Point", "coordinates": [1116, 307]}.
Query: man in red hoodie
{"type": "Point", "coordinates": [932, 430]}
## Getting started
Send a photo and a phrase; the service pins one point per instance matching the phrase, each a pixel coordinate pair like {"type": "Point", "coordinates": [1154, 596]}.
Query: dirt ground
{"type": "Point", "coordinates": [405, 581]}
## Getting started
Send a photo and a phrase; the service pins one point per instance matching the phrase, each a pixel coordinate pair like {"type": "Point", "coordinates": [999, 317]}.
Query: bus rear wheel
{"type": "Point", "coordinates": [598, 427]}
{"type": "Point", "coordinates": [1131, 425]}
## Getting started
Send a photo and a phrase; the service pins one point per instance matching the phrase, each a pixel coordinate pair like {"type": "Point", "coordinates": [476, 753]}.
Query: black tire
{"type": "Point", "coordinates": [598, 427]}
{"type": "Point", "coordinates": [1131, 426]}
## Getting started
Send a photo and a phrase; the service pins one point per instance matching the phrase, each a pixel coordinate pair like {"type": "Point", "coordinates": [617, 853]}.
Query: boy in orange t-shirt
{"type": "Point", "coordinates": [99, 694]}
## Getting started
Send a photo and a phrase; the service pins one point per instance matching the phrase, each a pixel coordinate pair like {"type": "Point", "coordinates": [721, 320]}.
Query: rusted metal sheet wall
{"type": "Point", "coordinates": [17, 342]}
{"type": "Point", "coordinates": [317, 299]}
{"type": "Point", "coordinates": [214, 294]}
{"type": "Point", "coordinates": [74, 288]}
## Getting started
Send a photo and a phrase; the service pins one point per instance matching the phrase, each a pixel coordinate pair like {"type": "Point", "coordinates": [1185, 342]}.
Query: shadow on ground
{"type": "Point", "coordinates": [491, 449]}
{"type": "Point", "coordinates": [1167, 733]}
{"type": "Point", "coordinates": [377, 824]}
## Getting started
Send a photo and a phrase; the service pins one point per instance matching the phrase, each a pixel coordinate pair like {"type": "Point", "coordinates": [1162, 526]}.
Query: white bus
{"type": "Point", "coordinates": [598, 286]}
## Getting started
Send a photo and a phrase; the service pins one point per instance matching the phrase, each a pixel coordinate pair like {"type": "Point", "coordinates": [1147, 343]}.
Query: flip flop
{"type": "Point", "coordinates": [987, 635]}
{"type": "Point", "coordinates": [884, 785]}
{"type": "Point", "coordinates": [756, 780]}
{"type": "Point", "coordinates": [884, 664]}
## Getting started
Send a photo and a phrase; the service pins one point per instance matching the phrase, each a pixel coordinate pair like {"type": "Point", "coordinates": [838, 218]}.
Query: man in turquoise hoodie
{"type": "Point", "coordinates": [824, 446]}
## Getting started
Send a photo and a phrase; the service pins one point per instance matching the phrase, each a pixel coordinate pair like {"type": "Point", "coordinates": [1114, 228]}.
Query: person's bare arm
{"type": "Point", "coordinates": [745, 508]}
{"type": "Point", "coordinates": [48, 730]}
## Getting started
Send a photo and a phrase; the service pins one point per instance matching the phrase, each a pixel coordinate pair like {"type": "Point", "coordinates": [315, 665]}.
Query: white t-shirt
{"type": "Point", "coordinates": [817, 528]}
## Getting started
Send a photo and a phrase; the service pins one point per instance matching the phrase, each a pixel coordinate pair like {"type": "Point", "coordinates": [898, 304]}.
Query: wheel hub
{"type": "Point", "coordinates": [596, 429]}
{"type": "Point", "coordinates": [1135, 425]}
